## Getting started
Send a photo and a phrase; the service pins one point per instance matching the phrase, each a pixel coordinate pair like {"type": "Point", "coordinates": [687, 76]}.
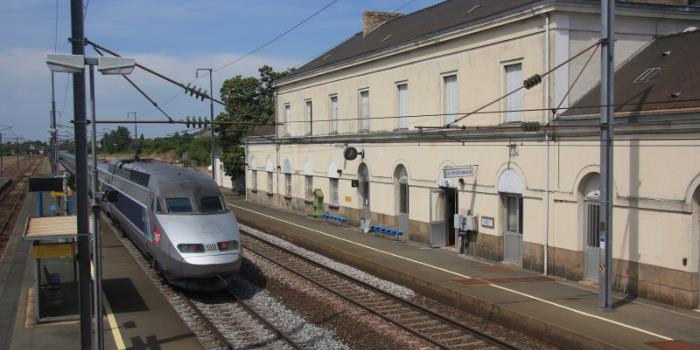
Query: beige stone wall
{"type": "Point", "coordinates": [656, 228]}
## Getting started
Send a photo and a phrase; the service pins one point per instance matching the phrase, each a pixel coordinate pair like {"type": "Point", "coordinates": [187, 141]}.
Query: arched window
{"type": "Point", "coordinates": [287, 170]}
{"type": "Point", "coordinates": [308, 179]}
{"type": "Point", "coordinates": [401, 187]}
{"type": "Point", "coordinates": [253, 175]}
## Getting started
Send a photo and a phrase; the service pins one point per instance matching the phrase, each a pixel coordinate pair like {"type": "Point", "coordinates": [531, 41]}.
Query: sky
{"type": "Point", "coordinates": [173, 37]}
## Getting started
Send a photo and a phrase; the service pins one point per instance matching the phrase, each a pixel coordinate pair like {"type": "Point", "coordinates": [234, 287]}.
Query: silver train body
{"type": "Point", "coordinates": [175, 216]}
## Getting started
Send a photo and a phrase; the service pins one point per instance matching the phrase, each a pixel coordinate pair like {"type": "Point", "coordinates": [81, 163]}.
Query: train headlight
{"type": "Point", "coordinates": [190, 248]}
{"type": "Point", "coordinates": [227, 245]}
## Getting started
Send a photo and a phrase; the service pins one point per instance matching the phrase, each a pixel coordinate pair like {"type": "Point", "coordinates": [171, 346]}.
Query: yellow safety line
{"type": "Point", "coordinates": [583, 313]}
{"type": "Point", "coordinates": [113, 325]}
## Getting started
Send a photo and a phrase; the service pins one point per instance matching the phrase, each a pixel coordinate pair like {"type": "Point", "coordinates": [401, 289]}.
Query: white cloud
{"type": "Point", "coordinates": [25, 91]}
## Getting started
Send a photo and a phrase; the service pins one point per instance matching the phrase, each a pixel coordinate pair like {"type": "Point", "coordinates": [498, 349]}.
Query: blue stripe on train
{"type": "Point", "coordinates": [132, 210]}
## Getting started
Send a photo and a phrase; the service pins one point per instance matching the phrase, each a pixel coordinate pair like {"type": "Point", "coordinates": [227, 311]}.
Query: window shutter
{"type": "Point", "coordinates": [451, 98]}
{"type": "Point", "coordinates": [403, 106]}
{"type": "Point", "coordinates": [514, 102]}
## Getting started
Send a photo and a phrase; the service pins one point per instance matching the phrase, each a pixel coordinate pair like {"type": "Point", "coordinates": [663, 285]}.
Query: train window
{"type": "Point", "coordinates": [179, 205]}
{"type": "Point", "coordinates": [210, 204]}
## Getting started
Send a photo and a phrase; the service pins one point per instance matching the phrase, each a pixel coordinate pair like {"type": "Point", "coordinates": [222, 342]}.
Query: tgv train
{"type": "Point", "coordinates": [176, 217]}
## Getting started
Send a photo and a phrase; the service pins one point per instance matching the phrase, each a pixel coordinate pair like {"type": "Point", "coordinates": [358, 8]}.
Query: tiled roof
{"type": "Point", "coordinates": [664, 77]}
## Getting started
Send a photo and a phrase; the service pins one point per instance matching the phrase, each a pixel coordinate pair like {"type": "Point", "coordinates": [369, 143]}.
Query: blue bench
{"type": "Point", "coordinates": [386, 230]}
{"type": "Point", "coordinates": [337, 218]}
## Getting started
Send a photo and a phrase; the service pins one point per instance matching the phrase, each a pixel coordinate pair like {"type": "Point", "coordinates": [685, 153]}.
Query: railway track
{"type": "Point", "coordinates": [10, 200]}
{"type": "Point", "coordinates": [219, 320]}
{"type": "Point", "coordinates": [439, 330]}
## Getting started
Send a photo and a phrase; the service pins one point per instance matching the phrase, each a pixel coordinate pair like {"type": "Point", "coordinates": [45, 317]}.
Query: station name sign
{"type": "Point", "coordinates": [458, 172]}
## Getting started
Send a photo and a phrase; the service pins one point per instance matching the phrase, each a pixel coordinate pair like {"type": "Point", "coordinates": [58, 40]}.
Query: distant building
{"type": "Point", "coordinates": [529, 175]}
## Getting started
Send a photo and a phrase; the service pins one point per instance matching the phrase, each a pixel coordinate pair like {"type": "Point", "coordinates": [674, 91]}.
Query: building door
{"type": "Point", "coordinates": [591, 229]}
{"type": "Point", "coordinates": [513, 230]}
{"type": "Point", "coordinates": [450, 210]}
{"type": "Point", "coordinates": [363, 177]}
{"type": "Point", "coordinates": [402, 180]}
{"type": "Point", "coordinates": [437, 218]}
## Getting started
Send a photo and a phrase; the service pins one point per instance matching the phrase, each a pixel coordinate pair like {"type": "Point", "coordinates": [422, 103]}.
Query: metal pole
{"type": "Point", "coordinates": [53, 148]}
{"type": "Point", "coordinates": [2, 167]}
{"type": "Point", "coordinates": [211, 117]}
{"type": "Point", "coordinates": [606, 152]}
{"type": "Point", "coordinates": [97, 239]}
{"type": "Point", "coordinates": [81, 181]}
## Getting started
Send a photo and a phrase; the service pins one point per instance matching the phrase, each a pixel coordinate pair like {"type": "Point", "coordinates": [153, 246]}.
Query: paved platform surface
{"type": "Point", "coordinates": [142, 316]}
{"type": "Point", "coordinates": [560, 311]}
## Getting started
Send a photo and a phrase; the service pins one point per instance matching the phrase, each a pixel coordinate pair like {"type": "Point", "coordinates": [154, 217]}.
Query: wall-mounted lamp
{"type": "Point", "coordinates": [340, 172]}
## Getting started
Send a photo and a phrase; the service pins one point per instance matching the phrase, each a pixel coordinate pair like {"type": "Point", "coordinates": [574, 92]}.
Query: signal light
{"type": "Point", "coordinates": [190, 248]}
{"type": "Point", "coordinates": [227, 245]}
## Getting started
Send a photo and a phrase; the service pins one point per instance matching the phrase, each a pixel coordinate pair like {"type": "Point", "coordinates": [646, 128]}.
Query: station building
{"type": "Point", "coordinates": [527, 166]}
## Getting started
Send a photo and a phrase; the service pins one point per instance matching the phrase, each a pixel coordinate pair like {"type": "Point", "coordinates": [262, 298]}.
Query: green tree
{"type": "Point", "coordinates": [246, 99]}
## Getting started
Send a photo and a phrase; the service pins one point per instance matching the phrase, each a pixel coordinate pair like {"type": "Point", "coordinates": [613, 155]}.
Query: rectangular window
{"type": "Point", "coordinates": [364, 110]}
{"type": "Point", "coordinates": [451, 98]}
{"type": "Point", "coordinates": [287, 118]}
{"type": "Point", "coordinates": [334, 114]}
{"type": "Point", "coordinates": [178, 205]}
{"type": "Point", "coordinates": [334, 190]}
{"type": "Point", "coordinates": [254, 180]}
{"type": "Point", "coordinates": [402, 105]}
{"type": "Point", "coordinates": [210, 204]}
{"type": "Point", "coordinates": [309, 186]}
{"type": "Point", "coordinates": [309, 118]}
{"type": "Point", "coordinates": [288, 184]}
{"type": "Point", "coordinates": [269, 182]}
{"type": "Point", "coordinates": [514, 102]}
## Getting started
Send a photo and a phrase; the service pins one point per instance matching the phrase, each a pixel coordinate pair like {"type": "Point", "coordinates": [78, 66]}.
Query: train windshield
{"type": "Point", "coordinates": [210, 204]}
{"type": "Point", "coordinates": [179, 205]}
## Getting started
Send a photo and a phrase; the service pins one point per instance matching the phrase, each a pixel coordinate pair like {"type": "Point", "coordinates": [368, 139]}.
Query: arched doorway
{"type": "Point", "coordinates": [510, 188]}
{"type": "Point", "coordinates": [363, 189]}
{"type": "Point", "coordinates": [589, 212]}
{"type": "Point", "coordinates": [402, 195]}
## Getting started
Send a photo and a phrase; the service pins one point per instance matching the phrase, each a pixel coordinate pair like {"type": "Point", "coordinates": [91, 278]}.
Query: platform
{"type": "Point", "coordinates": [562, 312]}
{"type": "Point", "coordinates": [137, 315]}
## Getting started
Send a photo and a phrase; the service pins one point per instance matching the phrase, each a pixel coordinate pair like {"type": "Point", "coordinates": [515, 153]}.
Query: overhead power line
{"type": "Point", "coordinates": [267, 43]}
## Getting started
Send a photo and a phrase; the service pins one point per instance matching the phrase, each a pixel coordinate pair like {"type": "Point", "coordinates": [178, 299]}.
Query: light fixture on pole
{"type": "Point", "coordinates": [76, 64]}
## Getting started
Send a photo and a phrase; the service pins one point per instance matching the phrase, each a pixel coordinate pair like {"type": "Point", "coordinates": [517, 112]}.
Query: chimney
{"type": "Point", "coordinates": [372, 20]}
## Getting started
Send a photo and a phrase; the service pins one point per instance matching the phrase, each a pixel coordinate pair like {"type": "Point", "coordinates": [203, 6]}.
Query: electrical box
{"type": "Point", "coordinates": [470, 223]}
{"type": "Point", "coordinates": [458, 222]}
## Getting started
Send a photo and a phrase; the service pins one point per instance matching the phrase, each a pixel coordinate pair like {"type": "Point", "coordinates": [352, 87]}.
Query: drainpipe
{"type": "Point", "coordinates": [546, 140]}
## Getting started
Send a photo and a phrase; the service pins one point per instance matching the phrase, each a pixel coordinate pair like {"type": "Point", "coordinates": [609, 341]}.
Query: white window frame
{"type": "Point", "coordinates": [288, 184]}
{"type": "Point", "coordinates": [333, 114]}
{"type": "Point", "coordinates": [270, 182]}
{"type": "Point", "coordinates": [309, 115]}
{"type": "Point", "coordinates": [514, 101]}
{"type": "Point", "coordinates": [363, 110]}
{"type": "Point", "coordinates": [287, 118]}
{"type": "Point", "coordinates": [451, 114]}
{"type": "Point", "coordinates": [333, 185]}
{"type": "Point", "coordinates": [309, 186]}
{"type": "Point", "coordinates": [402, 106]}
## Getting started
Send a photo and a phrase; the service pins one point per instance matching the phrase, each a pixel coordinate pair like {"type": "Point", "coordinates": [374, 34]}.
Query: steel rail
{"type": "Point", "coordinates": [280, 333]}
{"type": "Point", "coordinates": [207, 323]}
{"type": "Point", "coordinates": [442, 318]}
{"type": "Point", "coordinates": [16, 202]}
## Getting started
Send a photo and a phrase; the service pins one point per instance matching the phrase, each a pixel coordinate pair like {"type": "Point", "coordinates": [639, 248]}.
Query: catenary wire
{"type": "Point", "coordinates": [168, 101]}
